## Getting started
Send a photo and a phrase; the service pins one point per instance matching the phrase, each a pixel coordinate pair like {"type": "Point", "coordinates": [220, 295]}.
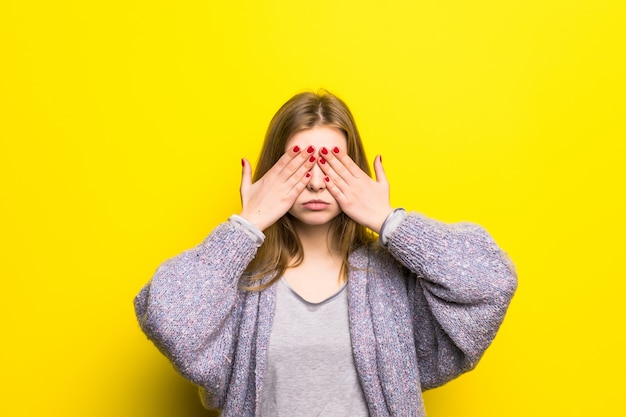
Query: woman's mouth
{"type": "Point", "coordinates": [316, 205]}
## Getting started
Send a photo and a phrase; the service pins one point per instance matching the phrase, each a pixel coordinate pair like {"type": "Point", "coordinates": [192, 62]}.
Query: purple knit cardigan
{"type": "Point", "coordinates": [422, 311]}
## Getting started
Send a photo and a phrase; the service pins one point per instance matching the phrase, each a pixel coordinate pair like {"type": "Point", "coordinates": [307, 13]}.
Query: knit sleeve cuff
{"type": "Point", "coordinates": [390, 225]}
{"type": "Point", "coordinates": [248, 228]}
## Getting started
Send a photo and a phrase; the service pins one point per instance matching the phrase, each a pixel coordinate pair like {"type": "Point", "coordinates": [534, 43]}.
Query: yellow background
{"type": "Point", "coordinates": [122, 125]}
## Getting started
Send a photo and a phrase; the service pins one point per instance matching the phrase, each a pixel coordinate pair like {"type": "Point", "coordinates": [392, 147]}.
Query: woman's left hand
{"type": "Point", "coordinates": [364, 200]}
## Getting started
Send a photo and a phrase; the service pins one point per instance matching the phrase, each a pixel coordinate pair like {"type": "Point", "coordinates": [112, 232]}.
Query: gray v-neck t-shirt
{"type": "Point", "coordinates": [310, 367]}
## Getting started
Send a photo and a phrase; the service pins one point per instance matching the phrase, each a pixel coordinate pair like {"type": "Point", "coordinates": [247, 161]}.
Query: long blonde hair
{"type": "Point", "coordinates": [282, 247]}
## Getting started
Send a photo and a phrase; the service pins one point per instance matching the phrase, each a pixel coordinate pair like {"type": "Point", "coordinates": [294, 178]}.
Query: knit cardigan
{"type": "Point", "coordinates": [422, 311]}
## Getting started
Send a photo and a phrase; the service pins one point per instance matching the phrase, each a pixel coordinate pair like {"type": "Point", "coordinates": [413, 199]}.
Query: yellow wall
{"type": "Point", "coordinates": [122, 124]}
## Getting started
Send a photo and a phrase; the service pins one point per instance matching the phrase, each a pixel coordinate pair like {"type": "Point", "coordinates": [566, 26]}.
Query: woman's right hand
{"type": "Point", "coordinates": [268, 199]}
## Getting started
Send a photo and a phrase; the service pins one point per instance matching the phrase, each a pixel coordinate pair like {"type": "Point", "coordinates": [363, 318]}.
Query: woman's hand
{"type": "Point", "coordinates": [268, 199]}
{"type": "Point", "coordinates": [364, 200]}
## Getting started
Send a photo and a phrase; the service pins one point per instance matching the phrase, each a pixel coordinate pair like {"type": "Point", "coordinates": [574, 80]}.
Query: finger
{"type": "Point", "coordinates": [285, 159]}
{"type": "Point", "coordinates": [291, 160]}
{"type": "Point", "coordinates": [300, 185]}
{"type": "Point", "coordinates": [246, 174]}
{"type": "Point", "coordinates": [341, 163]}
{"type": "Point", "coordinates": [301, 176]}
{"type": "Point", "coordinates": [335, 184]}
{"type": "Point", "coordinates": [246, 179]}
{"type": "Point", "coordinates": [337, 176]}
{"type": "Point", "coordinates": [381, 176]}
{"type": "Point", "coordinates": [302, 157]}
{"type": "Point", "coordinates": [298, 165]}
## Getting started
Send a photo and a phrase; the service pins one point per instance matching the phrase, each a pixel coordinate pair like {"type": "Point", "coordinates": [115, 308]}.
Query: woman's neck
{"type": "Point", "coordinates": [317, 277]}
{"type": "Point", "coordinates": [316, 242]}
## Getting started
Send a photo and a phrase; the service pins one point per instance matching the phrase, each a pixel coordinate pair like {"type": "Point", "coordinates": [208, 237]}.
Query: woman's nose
{"type": "Point", "coordinates": [317, 183]}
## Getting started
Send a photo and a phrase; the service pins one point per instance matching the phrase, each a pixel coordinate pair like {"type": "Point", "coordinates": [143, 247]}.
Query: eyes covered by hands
{"type": "Point", "coordinates": [362, 198]}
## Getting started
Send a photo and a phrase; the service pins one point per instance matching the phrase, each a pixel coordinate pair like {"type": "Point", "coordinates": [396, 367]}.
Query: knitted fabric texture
{"type": "Point", "coordinates": [422, 311]}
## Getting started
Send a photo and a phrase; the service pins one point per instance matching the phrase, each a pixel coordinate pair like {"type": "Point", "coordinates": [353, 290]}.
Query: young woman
{"type": "Point", "coordinates": [295, 307]}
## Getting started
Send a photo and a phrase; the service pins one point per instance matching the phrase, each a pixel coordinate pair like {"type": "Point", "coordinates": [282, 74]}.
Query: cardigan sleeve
{"type": "Point", "coordinates": [460, 288]}
{"type": "Point", "coordinates": [190, 307]}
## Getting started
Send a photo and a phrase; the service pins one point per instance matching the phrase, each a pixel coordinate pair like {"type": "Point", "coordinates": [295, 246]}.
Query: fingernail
{"type": "Point", "coordinates": [308, 175]}
{"type": "Point", "coordinates": [326, 179]}
{"type": "Point", "coordinates": [296, 149]}
{"type": "Point", "coordinates": [381, 158]}
{"type": "Point", "coordinates": [243, 162]}
{"type": "Point", "coordinates": [336, 149]}
{"type": "Point", "coordinates": [310, 149]}
{"type": "Point", "coordinates": [324, 151]}
{"type": "Point", "coordinates": [312, 158]}
{"type": "Point", "coordinates": [322, 161]}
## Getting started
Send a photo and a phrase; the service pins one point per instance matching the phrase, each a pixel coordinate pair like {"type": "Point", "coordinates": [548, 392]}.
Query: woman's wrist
{"type": "Point", "coordinates": [255, 219]}
{"type": "Point", "coordinates": [377, 225]}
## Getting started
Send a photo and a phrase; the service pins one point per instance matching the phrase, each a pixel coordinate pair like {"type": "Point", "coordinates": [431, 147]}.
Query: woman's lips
{"type": "Point", "coordinates": [316, 205]}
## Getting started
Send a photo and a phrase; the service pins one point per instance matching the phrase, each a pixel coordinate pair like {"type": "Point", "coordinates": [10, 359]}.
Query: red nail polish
{"type": "Point", "coordinates": [322, 161]}
{"type": "Point", "coordinates": [326, 179]}
{"type": "Point", "coordinates": [381, 158]}
{"type": "Point", "coordinates": [324, 151]}
{"type": "Point", "coordinates": [243, 162]}
{"type": "Point", "coordinates": [296, 149]}
{"type": "Point", "coordinates": [312, 158]}
{"type": "Point", "coordinates": [336, 149]}
{"type": "Point", "coordinates": [310, 149]}
{"type": "Point", "coordinates": [308, 175]}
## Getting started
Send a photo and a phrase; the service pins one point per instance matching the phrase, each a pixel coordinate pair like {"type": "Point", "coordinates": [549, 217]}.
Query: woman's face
{"type": "Point", "coordinates": [316, 206]}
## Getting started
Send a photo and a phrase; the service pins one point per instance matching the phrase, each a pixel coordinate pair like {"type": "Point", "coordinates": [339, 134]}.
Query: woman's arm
{"type": "Point", "coordinates": [190, 307]}
{"type": "Point", "coordinates": [464, 285]}
{"type": "Point", "coordinates": [464, 281]}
